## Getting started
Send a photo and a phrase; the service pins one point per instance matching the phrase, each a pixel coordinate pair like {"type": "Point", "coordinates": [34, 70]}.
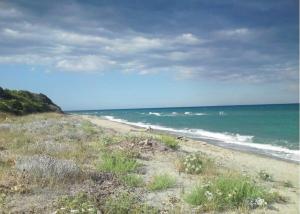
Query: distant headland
{"type": "Point", "coordinates": [19, 102]}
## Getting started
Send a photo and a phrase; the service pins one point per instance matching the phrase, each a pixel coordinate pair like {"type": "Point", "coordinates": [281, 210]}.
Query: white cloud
{"type": "Point", "coordinates": [188, 38]}
{"type": "Point", "coordinates": [85, 45]}
{"type": "Point", "coordinates": [10, 32]}
{"type": "Point", "coordinates": [85, 64]}
{"type": "Point", "coordinates": [234, 33]}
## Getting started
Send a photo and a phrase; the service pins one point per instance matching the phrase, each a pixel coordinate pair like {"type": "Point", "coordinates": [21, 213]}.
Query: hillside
{"type": "Point", "coordinates": [25, 102]}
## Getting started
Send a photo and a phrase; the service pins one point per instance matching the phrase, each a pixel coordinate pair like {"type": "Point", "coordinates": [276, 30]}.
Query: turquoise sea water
{"type": "Point", "coordinates": [269, 129]}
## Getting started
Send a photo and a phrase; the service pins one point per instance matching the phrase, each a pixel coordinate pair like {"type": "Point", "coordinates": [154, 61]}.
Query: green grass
{"type": "Point", "coordinates": [132, 180]}
{"type": "Point", "coordinates": [169, 141]}
{"type": "Point", "coordinates": [125, 202]}
{"type": "Point", "coordinates": [117, 162]}
{"type": "Point", "coordinates": [161, 182]}
{"type": "Point", "coordinates": [230, 192]}
{"type": "Point", "coordinates": [197, 163]}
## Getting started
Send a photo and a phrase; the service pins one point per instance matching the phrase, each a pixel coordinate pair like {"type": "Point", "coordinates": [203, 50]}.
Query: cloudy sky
{"type": "Point", "coordinates": [123, 54]}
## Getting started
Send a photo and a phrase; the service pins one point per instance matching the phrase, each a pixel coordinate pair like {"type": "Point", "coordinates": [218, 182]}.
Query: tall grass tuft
{"type": "Point", "coordinates": [132, 180]}
{"type": "Point", "coordinates": [161, 182]}
{"type": "Point", "coordinates": [230, 192]}
{"type": "Point", "coordinates": [170, 141]}
{"type": "Point", "coordinates": [196, 163]}
{"type": "Point", "coordinates": [117, 162]}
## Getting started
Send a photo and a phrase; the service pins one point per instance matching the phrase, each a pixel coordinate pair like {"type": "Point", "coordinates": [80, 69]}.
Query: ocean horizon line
{"type": "Point", "coordinates": [170, 107]}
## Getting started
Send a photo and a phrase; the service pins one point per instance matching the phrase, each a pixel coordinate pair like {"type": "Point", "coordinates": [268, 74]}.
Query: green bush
{"type": "Point", "coordinates": [132, 180]}
{"type": "Point", "coordinates": [117, 162]}
{"type": "Point", "coordinates": [161, 182]}
{"type": "Point", "coordinates": [196, 163]}
{"type": "Point", "coordinates": [25, 102]}
{"type": "Point", "coordinates": [170, 141]}
{"type": "Point", "coordinates": [230, 192]}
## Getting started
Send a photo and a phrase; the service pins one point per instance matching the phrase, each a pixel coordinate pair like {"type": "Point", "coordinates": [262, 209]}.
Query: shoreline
{"type": "Point", "coordinates": [235, 147]}
{"type": "Point", "coordinates": [235, 158]}
{"type": "Point", "coordinates": [79, 146]}
{"type": "Point", "coordinates": [232, 160]}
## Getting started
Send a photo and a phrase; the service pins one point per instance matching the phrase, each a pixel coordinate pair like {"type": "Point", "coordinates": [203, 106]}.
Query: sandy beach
{"type": "Point", "coordinates": [241, 161]}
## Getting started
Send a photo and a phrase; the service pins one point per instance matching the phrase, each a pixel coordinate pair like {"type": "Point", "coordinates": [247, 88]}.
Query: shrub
{"type": "Point", "coordinates": [170, 141]}
{"type": "Point", "coordinates": [196, 163]}
{"type": "Point", "coordinates": [79, 203]}
{"type": "Point", "coordinates": [161, 182]}
{"type": "Point", "coordinates": [48, 167]}
{"type": "Point", "coordinates": [24, 102]}
{"type": "Point", "coordinates": [265, 176]}
{"type": "Point", "coordinates": [229, 192]}
{"type": "Point", "coordinates": [127, 203]}
{"type": "Point", "coordinates": [48, 147]}
{"type": "Point", "coordinates": [117, 162]}
{"type": "Point", "coordinates": [132, 180]}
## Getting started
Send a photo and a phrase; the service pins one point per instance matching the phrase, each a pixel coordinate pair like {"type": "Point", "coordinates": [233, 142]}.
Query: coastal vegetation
{"type": "Point", "coordinates": [56, 163]}
{"type": "Point", "coordinates": [170, 141]}
{"type": "Point", "coordinates": [161, 182]}
{"type": "Point", "coordinates": [117, 162]}
{"type": "Point", "coordinates": [132, 180]}
{"type": "Point", "coordinates": [229, 192]}
{"type": "Point", "coordinates": [196, 163]}
{"type": "Point", "coordinates": [24, 102]}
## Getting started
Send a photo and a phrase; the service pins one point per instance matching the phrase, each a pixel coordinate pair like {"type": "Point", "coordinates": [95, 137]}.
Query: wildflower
{"type": "Point", "coordinates": [208, 195]}
{"type": "Point", "coordinates": [260, 202]}
{"type": "Point", "coordinates": [219, 192]}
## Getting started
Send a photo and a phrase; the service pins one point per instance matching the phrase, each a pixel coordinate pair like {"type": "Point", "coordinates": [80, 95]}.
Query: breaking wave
{"type": "Point", "coordinates": [229, 139]}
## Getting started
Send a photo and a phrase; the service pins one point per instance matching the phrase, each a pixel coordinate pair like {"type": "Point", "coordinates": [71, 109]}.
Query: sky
{"type": "Point", "coordinates": [103, 54]}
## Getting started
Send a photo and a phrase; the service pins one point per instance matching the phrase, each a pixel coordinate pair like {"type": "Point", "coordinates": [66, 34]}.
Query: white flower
{"type": "Point", "coordinates": [74, 211]}
{"type": "Point", "coordinates": [260, 201]}
{"type": "Point", "coordinates": [208, 195]}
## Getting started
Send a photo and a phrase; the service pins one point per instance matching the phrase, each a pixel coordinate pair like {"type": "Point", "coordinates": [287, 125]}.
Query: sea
{"type": "Point", "coordinates": [271, 130]}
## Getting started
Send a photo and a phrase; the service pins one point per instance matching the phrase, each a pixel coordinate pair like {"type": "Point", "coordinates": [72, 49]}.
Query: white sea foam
{"type": "Point", "coordinates": [225, 138]}
{"type": "Point", "coordinates": [175, 114]}
{"type": "Point", "coordinates": [200, 114]}
{"type": "Point", "coordinates": [154, 113]}
{"type": "Point", "coordinates": [190, 113]}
